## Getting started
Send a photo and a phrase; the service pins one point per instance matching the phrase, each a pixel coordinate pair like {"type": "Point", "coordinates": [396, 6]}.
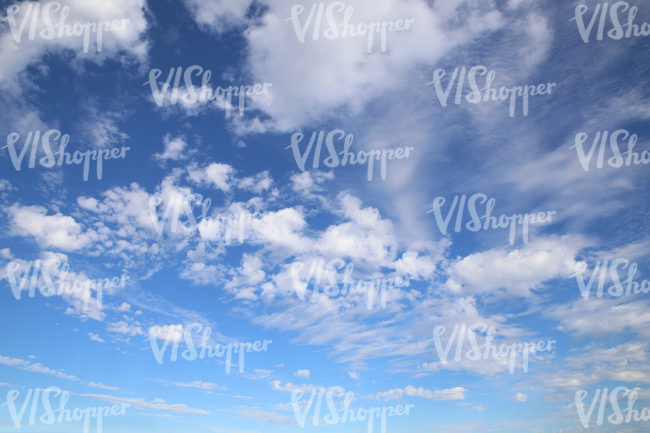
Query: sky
{"type": "Point", "coordinates": [358, 208]}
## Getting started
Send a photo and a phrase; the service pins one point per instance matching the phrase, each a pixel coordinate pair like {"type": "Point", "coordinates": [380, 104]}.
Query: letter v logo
{"type": "Point", "coordinates": [580, 11]}
{"type": "Point", "coordinates": [11, 12]}
{"type": "Point", "coordinates": [11, 397]}
{"type": "Point", "coordinates": [437, 332]}
{"type": "Point", "coordinates": [295, 11]}
{"type": "Point", "coordinates": [295, 404]}
{"type": "Point", "coordinates": [580, 268]}
{"type": "Point", "coordinates": [153, 203]}
{"type": "Point", "coordinates": [11, 269]}
{"type": "Point", "coordinates": [584, 418]}
{"type": "Point", "coordinates": [153, 339]}
{"type": "Point", "coordinates": [159, 96]}
{"type": "Point", "coordinates": [437, 204]}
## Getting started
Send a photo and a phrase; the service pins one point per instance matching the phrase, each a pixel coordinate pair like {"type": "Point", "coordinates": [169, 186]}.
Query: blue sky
{"type": "Point", "coordinates": [383, 228]}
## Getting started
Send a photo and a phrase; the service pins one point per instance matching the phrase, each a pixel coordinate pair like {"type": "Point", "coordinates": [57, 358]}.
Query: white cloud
{"type": "Point", "coordinates": [5, 185]}
{"type": "Point", "coordinates": [201, 273]}
{"type": "Point", "coordinates": [354, 375]}
{"type": "Point", "coordinates": [99, 128]}
{"type": "Point", "coordinates": [102, 386]}
{"type": "Point", "coordinates": [38, 368]}
{"type": "Point", "coordinates": [347, 76]}
{"type": "Point", "coordinates": [259, 374]}
{"type": "Point", "coordinates": [172, 332]}
{"type": "Point", "coordinates": [232, 430]}
{"type": "Point", "coordinates": [392, 394]}
{"type": "Point", "coordinates": [521, 397]}
{"type": "Point", "coordinates": [18, 55]}
{"type": "Point", "coordinates": [122, 327]}
{"type": "Point", "coordinates": [456, 393]}
{"type": "Point", "coordinates": [50, 231]}
{"type": "Point", "coordinates": [140, 403]}
{"type": "Point", "coordinates": [249, 275]}
{"type": "Point", "coordinates": [215, 175]}
{"type": "Point", "coordinates": [578, 317]}
{"type": "Point", "coordinates": [218, 15]}
{"type": "Point", "coordinates": [411, 264]}
{"type": "Point", "coordinates": [272, 418]}
{"type": "Point", "coordinates": [258, 183]}
{"type": "Point", "coordinates": [124, 307]}
{"type": "Point", "coordinates": [201, 385]}
{"type": "Point", "coordinates": [95, 337]}
{"type": "Point", "coordinates": [304, 374]}
{"type": "Point", "coordinates": [289, 387]}
{"type": "Point", "coordinates": [518, 271]}
{"type": "Point", "coordinates": [174, 149]}
{"type": "Point", "coordinates": [308, 181]}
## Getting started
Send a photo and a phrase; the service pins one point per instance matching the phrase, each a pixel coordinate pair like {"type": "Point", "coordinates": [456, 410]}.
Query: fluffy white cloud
{"type": "Point", "coordinates": [174, 149]}
{"type": "Point", "coordinates": [457, 393]}
{"type": "Point", "coordinates": [124, 307]}
{"type": "Point", "coordinates": [261, 416]}
{"type": "Point", "coordinates": [302, 374]}
{"type": "Point", "coordinates": [517, 271]}
{"type": "Point", "coordinates": [18, 55]}
{"type": "Point", "coordinates": [201, 385]}
{"type": "Point", "coordinates": [259, 373]}
{"type": "Point", "coordinates": [38, 368]}
{"type": "Point", "coordinates": [346, 75]}
{"type": "Point", "coordinates": [216, 175]}
{"type": "Point", "coordinates": [157, 404]}
{"type": "Point", "coordinates": [411, 264]}
{"type": "Point", "coordinates": [219, 15]}
{"type": "Point", "coordinates": [258, 183]}
{"type": "Point", "coordinates": [95, 337]}
{"type": "Point", "coordinates": [50, 231]}
{"type": "Point", "coordinates": [122, 327]}
{"type": "Point", "coordinates": [308, 181]}
{"type": "Point", "coordinates": [99, 126]}
{"type": "Point", "coordinates": [521, 397]}
{"type": "Point", "coordinates": [102, 386]}
{"type": "Point", "coordinates": [578, 318]}
{"type": "Point", "coordinates": [289, 387]}
{"type": "Point", "coordinates": [172, 332]}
